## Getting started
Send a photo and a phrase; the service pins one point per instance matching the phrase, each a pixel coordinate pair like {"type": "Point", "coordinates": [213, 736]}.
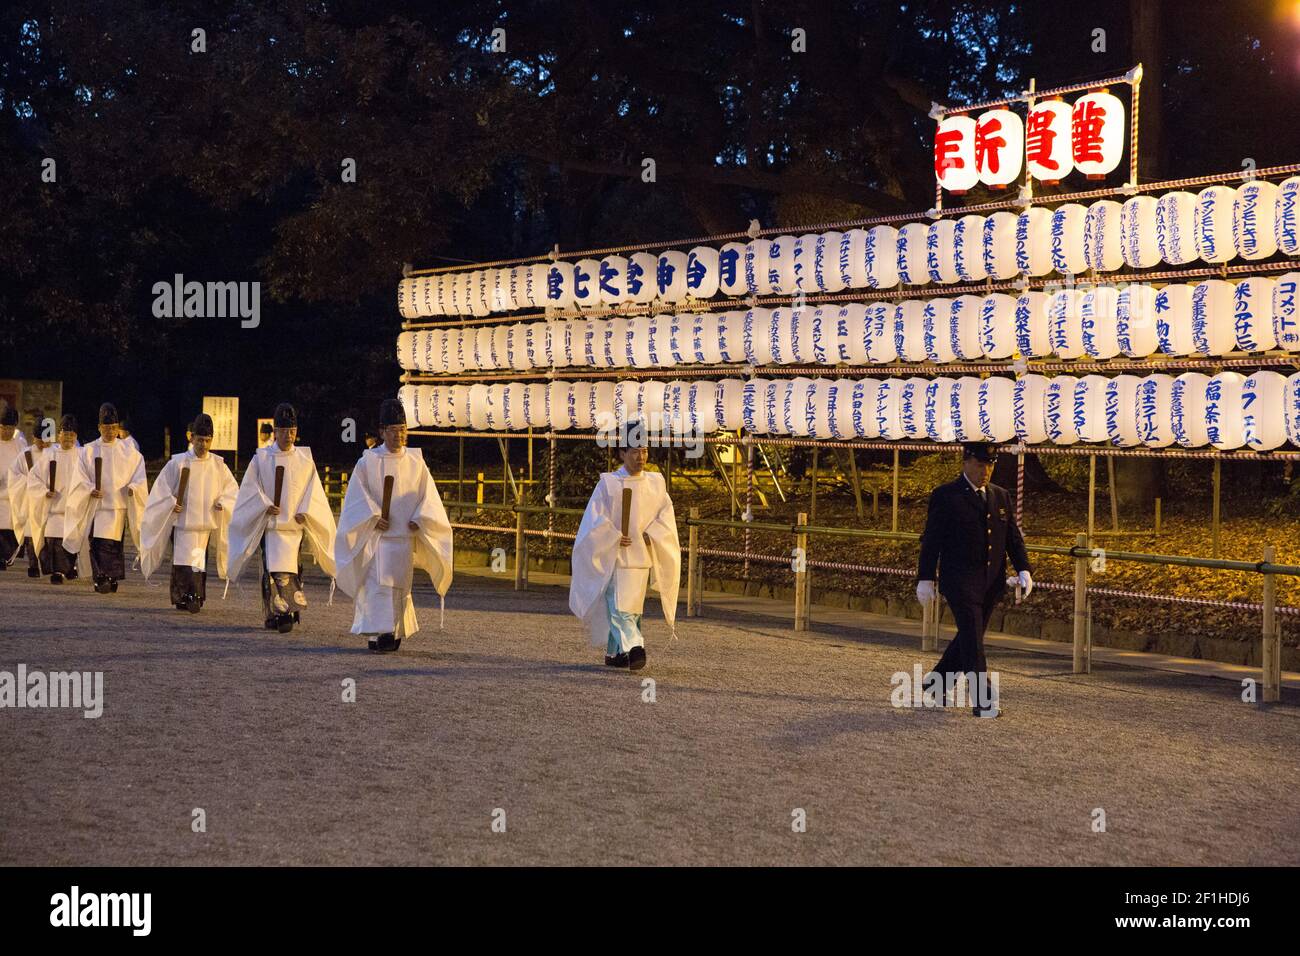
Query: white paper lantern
{"type": "Point", "coordinates": [888, 424]}
{"type": "Point", "coordinates": [964, 409]}
{"type": "Point", "coordinates": [731, 337]}
{"type": "Point", "coordinates": [940, 251]}
{"type": "Point", "coordinates": [1286, 319]}
{"type": "Point", "coordinates": [1254, 211]}
{"type": "Point", "coordinates": [701, 404]}
{"type": "Point", "coordinates": [1187, 410]}
{"type": "Point", "coordinates": [459, 285]}
{"type": "Point", "coordinates": [643, 327]}
{"type": "Point", "coordinates": [757, 265]}
{"type": "Point", "coordinates": [484, 354]}
{"type": "Point", "coordinates": [655, 402]}
{"type": "Point", "coordinates": [1135, 321]}
{"type": "Point", "coordinates": [1173, 310]}
{"type": "Point", "coordinates": [780, 335]}
{"type": "Point", "coordinates": [824, 333]}
{"type": "Point", "coordinates": [1058, 410]}
{"type": "Point", "coordinates": [797, 420]}
{"type": "Point", "coordinates": [751, 408]}
{"type": "Point", "coordinates": [773, 406]}
{"type": "Point", "coordinates": [618, 342]}
{"type": "Point", "coordinates": [819, 403]}
{"type": "Point", "coordinates": [453, 352]}
{"type": "Point", "coordinates": [1034, 241]}
{"type": "Point", "coordinates": [559, 285]}
{"type": "Point", "coordinates": [707, 340]}
{"type": "Point", "coordinates": [1225, 425]}
{"type": "Point", "coordinates": [1213, 330]}
{"type": "Point", "coordinates": [731, 401]}
{"type": "Point", "coordinates": [694, 329]}
{"type": "Point", "coordinates": [997, 325]}
{"type": "Point", "coordinates": [1252, 308]}
{"type": "Point", "coordinates": [512, 406]}
{"type": "Point", "coordinates": [478, 407]}
{"type": "Point", "coordinates": [1065, 323]}
{"type": "Point", "coordinates": [1291, 411]}
{"type": "Point", "coordinates": [851, 321]}
{"type": "Point", "coordinates": [406, 305]}
{"type": "Point", "coordinates": [641, 269]}
{"type": "Point", "coordinates": [702, 272]}
{"type": "Point", "coordinates": [501, 291]}
{"type": "Point", "coordinates": [458, 406]}
{"type": "Point", "coordinates": [911, 254]}
{"type": "Point", "coordinates": [1027, 399]}
{"type": "Point", "coordinates": [880, 333]}
{"type": "Point", "coordinates": [1047, 141]}
{"type": "Point", "coordinates": [999, 147]}
{"type": "Point", "coordinates": [780, 265]}
{"type": "Point", "coordinates": [517, 347]}
{"type": "Point", "coordinates": [1176, 227]}
{"type": "Point", "coordinates": [968, 249]}
{"type": "Point", "coordinates": [938, 410]}
{"type": "Point", "coordinates": [830, 262]}
{"type": "Point", "coordinates": [563, 406]}
{"type": "Point", "coordinates": [909, 330]}
{"type": "Point", "coordinates": [1099, 316]}
{"type": "Point", "coordinates": [1153, 411]}
{"type": "Point", "coordinates": [911, 407]}
{"type": "Point", "coordinates": [409, 396]}
{"type": "Point", "coordinates": [612, 284]}
{"type": "Point", "coordinates": [1138, 232]}
{"type": "Point", "coordinates": [756, 333]}
{"type": "Point", "coordinates": [998, 245]}
{"type": "Point", "coordinates": [481, 301]}
{"type": "Point", "coordinates": [1097, 134]}
{"type": "Point", "coordinates": [731, 269]}
{"type": "Point", "coordinates": [406, 351]}
{"type": "Point", "coordinates": [954, 154]}
{"type": "Point", "coordinates": [801, 336]}
{"type": "Point", "coordinates": [1067, 226]}
{"type": "Point", "coordinates": [561, 340]}
{"type": "Point", "coordinates": [501, 353]}
{"type": "Point", "coordinates": [602, 404]}
{"type": "Point", "coordinates": [804, 253]}
{"type": "Point", "coordinates": [848, 408]}
{"type": "Point", "coordinates": [670, 276]}
{"type": "Point", "coordinates": [1033, 338]}
{"type": "Point", "coordinates": [1213, 232]}
{"type": "Point", "coordinates": [936, 336]}
{"type": "Point", "coordinates": [880, 257]}
{"type": "Point", "coordinates": [964, 328]}
{"type": "Point", "coordinates": [627, 401]}
{"type": "Point", "coordinates": [995, 409]}
{"type": "Point", "coordinates": [1263, 410]}
{"type": "Point", "coordinates": [852, 261]}
{"type": "Point", "coordinates": [679, 339]}
{"type": "Point", "coordinates": [581, 335]}
{"type": "Point", "coordinates": [1286, 227]}
{"type": "Point", "coordinates": [1103, 247]}
{"type": "Point", "coordinates": [536, 406]}
{"type": "Point", "coordinates": [1120, 410]}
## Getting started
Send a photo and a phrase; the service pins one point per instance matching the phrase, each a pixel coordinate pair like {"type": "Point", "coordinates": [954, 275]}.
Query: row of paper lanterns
{"type": "Point", "coordinates": [1229, 410]}
{"type": "Point", "coordinates": [1253, 221]}
{"type": "Point", "coordinates": [1213, 317]}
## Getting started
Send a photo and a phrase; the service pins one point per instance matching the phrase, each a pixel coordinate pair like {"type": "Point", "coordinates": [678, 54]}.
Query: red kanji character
{"type": "Point", "coordinates": [1038, 139]}
{"type": "Point", "coordinates": [1085, 131]}
{"type": "Point", "coordinates": [946, 145]}
{"type": "Point", "coordinates": [987, 146]}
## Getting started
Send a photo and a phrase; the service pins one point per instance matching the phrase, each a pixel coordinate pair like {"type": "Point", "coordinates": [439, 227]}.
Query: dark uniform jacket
{"type": "Point", "coordinates": [969, 541]}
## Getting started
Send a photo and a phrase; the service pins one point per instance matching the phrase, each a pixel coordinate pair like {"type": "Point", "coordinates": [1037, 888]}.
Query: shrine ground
{"type": "Point", "coordinates": [508, 708]}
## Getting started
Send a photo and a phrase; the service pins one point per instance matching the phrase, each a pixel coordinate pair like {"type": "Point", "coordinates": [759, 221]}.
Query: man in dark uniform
{"type": "Point", "coordinates": [969, 533]}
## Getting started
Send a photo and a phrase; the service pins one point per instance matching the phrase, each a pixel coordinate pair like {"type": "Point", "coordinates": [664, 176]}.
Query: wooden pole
{"type": "Point", "coordinates": [460, 473]}
{"type": "Point", "coordinates": [801, 576]}
{"type": "Point", "coordinates": [857, 485]}
{"type": "Point", "coordinates": [1157, 516]}
{"type": "Point", "coordinates": [521, 554]}
{"type": "Point", "coordinates": [1081, 661]}
{"type": "Point", "coordinates": [1114, 499]}
{"type": "Point", "coordinates": [1218, 486]}
{"type": "Point", "coordinates": [812, 510]}
{"type": "Point", "coordinates": [1092, 495]}
{"type": "Point", "coordinates": [1272, 649]}
{"type": "Point", "coordinates": [692, 563]}
{"type": "Point", "coordinates": [893, 524]}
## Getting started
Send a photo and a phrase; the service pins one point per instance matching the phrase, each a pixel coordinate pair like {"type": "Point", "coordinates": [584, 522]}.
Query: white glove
{"type": "Point", "coordinates": [1026, 583]}
{"type": "Point", "coordinates": [925, 591]}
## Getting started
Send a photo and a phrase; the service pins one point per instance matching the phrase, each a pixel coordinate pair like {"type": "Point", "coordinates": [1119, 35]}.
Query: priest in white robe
{"type": "Point", "coordinates": [58, 503]}
{"type": "Point", "coordinates": [189, 517]}
{"type": "Point", "coordinates": [377, 552]}
{"type": "Point", "coordinates": [611, 569]}
{"type": "Point", "coordinates": [12, 445]}
{"type": "Point", "coordinates": [43, 431]}
{"type": "Point", "coordinates": [118, 488]}
{"type": "Point", "coordinates": [277, 522]}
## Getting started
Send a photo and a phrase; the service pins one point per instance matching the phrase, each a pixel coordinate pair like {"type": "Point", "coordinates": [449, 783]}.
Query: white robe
{"type": "Point", "coordinates": [124, 485]}
{"type": "Point", "coordinates": [67, 514]}
{"type": "Point", "coordinates": [10, 452]}
{"type": "Point", "coordinates": [377, 567]}
{"type": "Point", "coordinates": [597, 553]}
{"type": "Point", "coordinates": [210, 482]}
{"type": "Point", "coordinates": [302, 493]}
{"type": "Point", "coordinates": [16, 492]}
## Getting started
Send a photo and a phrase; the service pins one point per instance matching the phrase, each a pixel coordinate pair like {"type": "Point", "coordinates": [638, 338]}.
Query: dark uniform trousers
{"type": "Point", "coordinates": [186, 581]}
{"type": "Point", "coordinates": [8, 547]}
{"type": "Point", "coordinates": [279, 584]}
{"type": "Point", "coordinates": [968, 538]}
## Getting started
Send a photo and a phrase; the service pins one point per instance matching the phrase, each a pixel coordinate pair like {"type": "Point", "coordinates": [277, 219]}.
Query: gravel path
{"type": "Point", "coordinates": [509, 709]}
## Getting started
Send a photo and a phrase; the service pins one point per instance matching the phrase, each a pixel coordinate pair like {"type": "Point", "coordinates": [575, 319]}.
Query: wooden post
{"type": "Point", "coordinates": [893, 524]}
{"type": "Point", "coordinates": [857, 485]}
{"type": "Point", "coordinates": [1272, 650]}
{"type": "Point", "coordinates": [1114, 499]}
{"type": "Point", "coordinates": [692, 564]}
{"type": "Point", "coordinates": [1214, 523]}
{"type": "Point", "coordinates": [460, 473]}
{"type": "Point", "coordinates": [528, 488]}
{"type": "Point", "coordinates": [801, 576]}
{"type": "Point", "coordinates": [1081, 656]}
{"type": "Point", "coordinates": [1157, 516]}
{"type": "Point", "coordinates": [812, 510]}
{"type": "Point", "coordinates": [1092, 495]}
{"type": "Point", "coordinates": [521, 554]}
{"type": "Point", "coordinates": [478, 497]}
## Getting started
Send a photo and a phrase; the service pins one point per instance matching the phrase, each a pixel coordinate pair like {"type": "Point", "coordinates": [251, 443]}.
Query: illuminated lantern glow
{"type": "Point", "coordinates": [406, 351]}
{"type": "Point", "coordinates": [758, 259]}
{"type": "Point", "coordinates": [964, 328]}
{"type": "Point", "coordinates": [661, 342]}
{"type": "Point", "coordinates": [1065, 324]}
{"type": "Point", "coordinates": [1090, 408]}
{"type": "Point", "coordinates": [406, 306]}
{"type": "Point", "coordinates": [1176, 227]}
{"type": "Point", "coordinates": [954, 154]}
{"type": "Point", "coordinates": [611, 280]}
{"type": "Point", "coordinates": [1097, 134]}
{"type": "Point", "coordinates": [670, 276]}
{"type": "Point", "coordinates": [1252, 314]}
{"type": "Point", "coordinates": [512, 404]}
{"type": "Point", "coordinates": [1224, 425]}
{"type": "Point", "coordinates": [756, 331]}
{"type": "Point", "coordinates": [480, 292]}
{"type": "Point", "coordinates": [999, 147]}
{"type": "Point", "coordinates": [1173, 313]}
{"type": "Point", "coordinates": [880, 257]}
{"type": "Point", "coordinates": [708, 347]}
{"type": "Point", "coordinates": [1138, 232]}
{"type": "Point", "coordinates": [998, 246]}
{"type": "Point", "coordinates": [517, 346]}
{"type": "Point", "coordinates": [820, 406]}
{"type": "Point", "coordinates": [804, 253]}
{"type": "Point", "coordinates": [559, 285]}
{"type": "Point", "coordinates": [1047, 141]}
{"type": "Point", "coordinates": [1263, 410]}
{"type": "Point", "coordinates": [938, 410]}
{"type": "Point", "coordinates": [881, 339]}
{"type": "Point", "coordinates": [780, 265]}
{"type": "Point", "coordinates": [1058, 410]}
{"type": "Point", "coordinates": [1286, 319]}
{"type": "Point", "coordinates": [1027, 398]}
{"type": "Point", "coordinates": [561, 401]}
{"type": "Point", "coordinates": [1120, 410]}
{"type": "Point", "coordinates": [1099, 316]}
{"type": "Point", "coordinates": [1213, 328]}
{"type": "Point", "coordinates": [582, 406]}
{"type": "Point", "coordinates": [997, 325]}
{"type": "Point", "coordinates": [702, 272]}
{"type": "Point", "coordinates": [641, 278]}
{"type": "Point", "coordinates": [851, 325]}
{"type": "Point", "coordinates": [537, 406]}
{"type": "Point", "coordinates": [731, 269]}
{"type": "Point", "coordinates": [730, 404]}
{"type": "Point", "coordinates": [494, 410]}
{"type": "Point", "coordinates": [968, 249]}
{"type": "Point", "coordinates": [995, 408]}
{"type": "Point", "coordinates": [1067, 226]}
{"type": "Point", "coordinates": [940, 248]}
{"type": "Point", "coordinates": [801, 336]}
{"type": "Point", "coordinates": [773, 406]}
{"type": "Point", "coordinates": [642, 338]}
{"type": "Point", "coordinates": [731, 339]}
{"type": "Point", "coordinates": [909, 330]}
{"type": "Point", "coordinates": [534, 286]}
{"type": "Point", "coordinates": [458, 406]}
{"type": "Point", "coordinates": [1033, 333]}
{"type": "Point", "coordinates": [853, 412]}
{"type": "Point", "coordinates": [798, 421]}
{"type": "Point", "coordinates": [912, 253]}
{"type": "Point", "coordinates": [1292, 408]}
{"type": "Point", "coordinates": [911, 407]}
{"type": "Point", "coordinates": [1187, 410]}
{"type": "Point", "coordinates": [852, 259]}
{"type": "Point", "coordinates": [602, 404]}
{"type": "Point", "coordinates": [1214, 242]}
{"type": "Point", "coordinates": [780, 336]}
{"type": "Point", "coordinates": [501, 355]}
{"type": "Point", "coordinates": [1034, 241]}
{"type": "Point", "coordinates": [1135, 321]}
{"type": "Point", "coordinates": [936, 336]}
{"type": "Point", "coordinates": [1286, 219]}
{"type": "Point", "coordinates": [887, 423]}
{"type": "Point", "coordinates": [1152, 411]}
{"type": "Point", "coordinates": [826, 334]}
{"type": "Point", "coordinates": [963, 406]}
{"type": "Point", "coordinates": [1254, 209]}
{"type": "Point", "coordinates": [826, 274]}
{"type": "Point", "coordinates": [484, 357]}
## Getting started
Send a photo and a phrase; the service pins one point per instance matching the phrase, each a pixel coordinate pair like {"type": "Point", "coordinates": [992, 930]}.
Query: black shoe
{"type": "Point", "coordinates": [618, 660]}
{"type": "Point", "coordinates": [33, 572]}
{"type": "Point", "coordinates": [271, 623]}
{"type": "Point", "coordinates": [193, 604]}
{"type": "Point", "coordinates": [285, 624]}
{"type": "Point", "coordinates": [56, 578]}
{"type": "Point", "coordinates": [112, 587]}
{"type": "Point", "coordinates": [636, 658]}
{"type": "Point", "coordinates": [103, 586]}
{"type": "Point", "coordinates": [385, 644]}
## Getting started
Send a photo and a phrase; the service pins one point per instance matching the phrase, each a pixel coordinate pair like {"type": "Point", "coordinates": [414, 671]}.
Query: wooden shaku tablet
{"type": "Point", "coordinates": [279, 483]}
{"type": "Point", "coordinates": [388, 497]}
{"type": "Point", "coordinates": [185, 483]}
{"type": "Point", "coordinates": [627, 509]}
{"type": "Point", "coordinates": [54, 470]}
{"type": "Point", "coordinates": [99, 473]}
